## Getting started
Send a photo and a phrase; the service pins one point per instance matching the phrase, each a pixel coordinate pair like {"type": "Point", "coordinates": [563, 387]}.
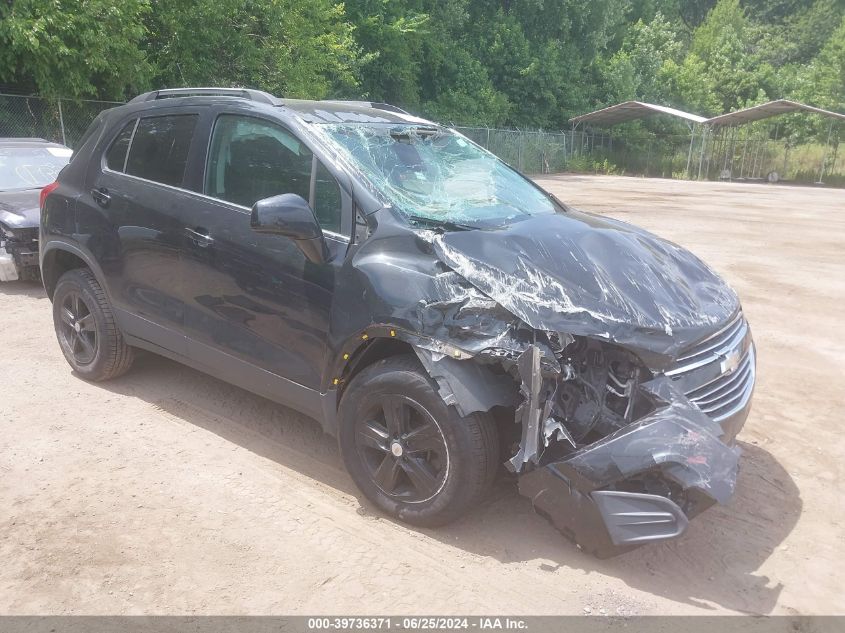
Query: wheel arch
{"type": "Point", "coordinates": [59, 257]}
{"type": "Point", "coordinates": [370, 351]}
{"type": "Point", "coordinates": [462, 381]}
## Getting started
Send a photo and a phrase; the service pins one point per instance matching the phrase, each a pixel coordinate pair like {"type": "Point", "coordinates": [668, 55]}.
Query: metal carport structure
{"type": "Point", "coordinates": [766, 110]}
{"type": "Point", "coordinates": [629, 111]}
{"type": "Point", "coordinates": [633, 110]}
{"type": "Point", "coordinates": [731, 120]}
{"type": "Point", "coordinates": [714, 131]}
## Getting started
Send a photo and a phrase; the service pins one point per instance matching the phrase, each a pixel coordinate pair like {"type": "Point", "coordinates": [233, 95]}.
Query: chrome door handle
{"type": "Point", "coordinates": [101, 196]}
{"type": "Point", "coordinates": [200, 237]}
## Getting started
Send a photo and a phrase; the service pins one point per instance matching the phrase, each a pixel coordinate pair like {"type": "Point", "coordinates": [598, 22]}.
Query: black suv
{"type": "Point", "coordinates": [433, 308]}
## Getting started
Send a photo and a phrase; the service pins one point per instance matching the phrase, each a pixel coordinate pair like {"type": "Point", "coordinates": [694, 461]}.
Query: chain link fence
{"type": "Point", "coordinates": [727, 154]}
{"type": "Point", "coordinates": [542, 152]}
{"type": "Point", "coordinates": [746, 153]}
{"type": "Point", "coordinates": [530, 151]}
{"type": "Point", "coordinates": [59, 120]}
{"type": "Point", "coordinates": [723, 154]}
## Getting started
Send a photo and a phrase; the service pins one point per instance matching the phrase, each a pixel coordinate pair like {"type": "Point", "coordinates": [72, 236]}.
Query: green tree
{"type": "Point", "coordinates": [391, 34]}
{"type": "Point", "coordinates": [74, 49]}
{"type": "Point", "coordinates": [823, 83]}
{"type": "Point", "coordinates": [290, 48]}
{"type": "Point", "coordinates": [721, 73]}
{"type": "Point", "coordinates": [638, 69]}
{"type": "Point", "coordinates": [693, 12]}
{"type": "Point", "coordinates": [542, 55]}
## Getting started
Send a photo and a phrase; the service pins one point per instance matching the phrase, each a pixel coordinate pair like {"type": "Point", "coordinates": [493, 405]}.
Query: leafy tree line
{"type": "Point", "coordinates": [494, 62]}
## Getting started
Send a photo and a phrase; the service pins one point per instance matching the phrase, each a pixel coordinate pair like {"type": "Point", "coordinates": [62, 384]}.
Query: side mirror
{"type": "Point", "coordinates": [291, 216]}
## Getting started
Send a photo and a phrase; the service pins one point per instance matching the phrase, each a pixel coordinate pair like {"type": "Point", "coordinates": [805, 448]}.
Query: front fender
{"type": "Point", "coordinates": [463, 382]}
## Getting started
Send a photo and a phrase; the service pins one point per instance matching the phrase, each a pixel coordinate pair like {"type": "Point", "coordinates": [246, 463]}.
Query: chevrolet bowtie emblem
{"type": "Point", "coordinates": [731, 361]}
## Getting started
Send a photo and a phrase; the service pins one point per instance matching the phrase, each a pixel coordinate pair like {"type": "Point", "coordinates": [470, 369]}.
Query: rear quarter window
{"type": "Point", "coordinates": [159, 149]}
{"type": "Point", "coordinates": [116, 154]}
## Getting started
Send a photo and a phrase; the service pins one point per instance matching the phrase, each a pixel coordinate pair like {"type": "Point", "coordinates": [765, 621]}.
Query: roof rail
{"type": "Point", "coordinates": [243, 93]}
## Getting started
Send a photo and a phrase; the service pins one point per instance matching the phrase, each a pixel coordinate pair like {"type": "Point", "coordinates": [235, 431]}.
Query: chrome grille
{"type": "Point", "coordinates": [710, 374]}
{"type": "Point", "coordinates": [713, 347]}
{"type": "Point", "coordinates": [722, 397]}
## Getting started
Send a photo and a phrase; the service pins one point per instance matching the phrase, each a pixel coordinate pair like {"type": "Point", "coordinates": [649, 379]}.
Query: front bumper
{"type": "Point", "coordinates": [584, 494]}
{"type": "Point", "coordinates": [19, 250]}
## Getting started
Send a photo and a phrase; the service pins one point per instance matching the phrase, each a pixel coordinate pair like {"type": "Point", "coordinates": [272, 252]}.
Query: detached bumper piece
{"type": "Point", "coordinates": [587, 495]}
{"type": "Point", "coordinates": [633, 518]}
{"type": "Point", "coordinates": [603, 523]}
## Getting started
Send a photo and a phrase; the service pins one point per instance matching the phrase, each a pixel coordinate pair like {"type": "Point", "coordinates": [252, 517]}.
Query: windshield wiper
{"type": "Point", "coordinates": [405, 134]}
{"type": "Point", "coordinates": [446, 224]}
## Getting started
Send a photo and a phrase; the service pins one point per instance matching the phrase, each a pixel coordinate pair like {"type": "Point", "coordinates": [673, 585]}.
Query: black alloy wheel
{"type": "Point", "coordinates": [88, 335]}
{"type": "Point", "coordinates": [409, 453]}
{"type": "Point", "coordinates": [78, 329]}
{"type": "Point", "coordinates": [403, 449]}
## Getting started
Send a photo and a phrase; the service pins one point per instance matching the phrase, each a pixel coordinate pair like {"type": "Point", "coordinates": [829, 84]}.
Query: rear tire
{"type": "Point", "coordinates": [85, 326]}
{"type": "Point", "coordinates": [410, 454]}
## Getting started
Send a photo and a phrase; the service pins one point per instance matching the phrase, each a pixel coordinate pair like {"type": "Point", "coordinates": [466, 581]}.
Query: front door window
{"type": "Point", "coordinates": [251, 159]}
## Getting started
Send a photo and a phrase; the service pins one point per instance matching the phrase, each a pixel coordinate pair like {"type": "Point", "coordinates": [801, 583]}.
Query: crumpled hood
{"type": "Point", "coordinates": [590, 276]}
{"type": "Point", "coordinates": [20, 208]}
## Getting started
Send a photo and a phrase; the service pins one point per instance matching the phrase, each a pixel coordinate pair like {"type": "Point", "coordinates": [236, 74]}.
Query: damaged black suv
{"type": "Point", "coordinates": [433, 308]}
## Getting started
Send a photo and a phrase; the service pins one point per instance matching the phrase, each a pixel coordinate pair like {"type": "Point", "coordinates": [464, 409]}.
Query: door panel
{"type": "Point", "coordinates": [133, 225]}
{"type": "Point", "coordinates": [249, 295]}
{"type": "Point", "coordinates": [255, 297]}
{"type": "Point", "coordinates": [138, 243]}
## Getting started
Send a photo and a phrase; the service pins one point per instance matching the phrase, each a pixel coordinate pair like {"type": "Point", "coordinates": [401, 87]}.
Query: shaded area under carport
{"type": "Point", "coordinates": [717, 136]}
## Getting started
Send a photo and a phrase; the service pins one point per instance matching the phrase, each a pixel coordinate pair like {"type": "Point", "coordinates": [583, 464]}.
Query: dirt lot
{"type": "Point", "coordinates": [170, 492]}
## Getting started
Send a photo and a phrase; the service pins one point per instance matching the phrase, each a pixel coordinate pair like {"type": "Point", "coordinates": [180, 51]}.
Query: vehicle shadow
{"type": "Point", "coordinates": [715, 563]}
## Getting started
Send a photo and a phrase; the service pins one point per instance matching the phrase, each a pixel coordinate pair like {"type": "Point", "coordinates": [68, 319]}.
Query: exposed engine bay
{"type": "Point", "coordinates": [595, 394]}
{"type": "Point", "coordinates": [611, 452]}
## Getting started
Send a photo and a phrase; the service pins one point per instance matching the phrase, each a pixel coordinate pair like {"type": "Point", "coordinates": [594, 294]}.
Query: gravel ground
{"type": "Point", "coordinates": [170, 492]}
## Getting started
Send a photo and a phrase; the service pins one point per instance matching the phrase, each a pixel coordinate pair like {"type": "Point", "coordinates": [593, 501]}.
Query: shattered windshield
{"type": "Point", "coordinates": [434, 174]}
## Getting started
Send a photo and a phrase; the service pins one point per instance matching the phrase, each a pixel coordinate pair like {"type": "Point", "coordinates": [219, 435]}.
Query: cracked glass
{"type": "Point", "coordinates": [430, 173]}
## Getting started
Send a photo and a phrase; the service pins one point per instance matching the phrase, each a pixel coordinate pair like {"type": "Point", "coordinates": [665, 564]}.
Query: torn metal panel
{"type": "Point", "coordinates": [529, 411]}
{"type": "Point", "coordinates": [555, 431]}
{"type": "Point", "coordinates": [467, 385]}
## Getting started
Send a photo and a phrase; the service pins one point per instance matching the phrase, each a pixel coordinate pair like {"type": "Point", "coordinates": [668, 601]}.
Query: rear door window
{"type": "Point", "coordinates": [159, 150]}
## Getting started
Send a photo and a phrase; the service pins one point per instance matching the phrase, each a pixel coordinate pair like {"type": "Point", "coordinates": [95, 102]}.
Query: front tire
{"type": "Point", "coordinates": [85, 326]}
{"type": "Point", "coordinates": [410, 454]}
